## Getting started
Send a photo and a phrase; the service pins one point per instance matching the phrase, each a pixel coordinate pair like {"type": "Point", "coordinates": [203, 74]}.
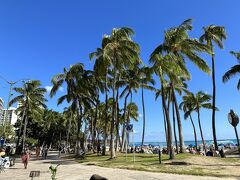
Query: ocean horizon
{"type": "Point", "coordinates": [187, 143]}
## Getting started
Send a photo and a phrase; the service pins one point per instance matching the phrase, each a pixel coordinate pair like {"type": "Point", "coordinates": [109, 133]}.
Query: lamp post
{"type": "Point", "coordinates": [234, 120]}
{"type": "Point", "coordinates": [11, 83]}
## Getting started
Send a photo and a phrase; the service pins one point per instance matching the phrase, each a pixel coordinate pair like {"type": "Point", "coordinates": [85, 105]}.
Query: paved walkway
{"type": "Point", "coordinates": [70, 170]}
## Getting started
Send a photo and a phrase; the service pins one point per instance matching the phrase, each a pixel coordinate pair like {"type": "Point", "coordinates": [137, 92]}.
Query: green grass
{"type": "Point", "coordinates": [150, 162]}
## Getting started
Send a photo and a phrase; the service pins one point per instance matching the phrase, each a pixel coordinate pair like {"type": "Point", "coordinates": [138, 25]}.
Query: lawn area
{"type": "Point", "coordinates": [183, 164]}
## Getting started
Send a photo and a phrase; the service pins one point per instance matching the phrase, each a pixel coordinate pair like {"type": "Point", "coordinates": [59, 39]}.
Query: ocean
{"type": "Point", "coordinates": [187, 143]}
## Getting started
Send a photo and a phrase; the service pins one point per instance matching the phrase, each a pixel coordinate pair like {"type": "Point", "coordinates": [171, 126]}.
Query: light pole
{"type": "Point", "coordinates": [11, 83]}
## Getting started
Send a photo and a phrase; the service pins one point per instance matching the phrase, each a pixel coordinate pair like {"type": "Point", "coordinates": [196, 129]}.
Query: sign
{"type": "Point", "coordinates": [129, 128]}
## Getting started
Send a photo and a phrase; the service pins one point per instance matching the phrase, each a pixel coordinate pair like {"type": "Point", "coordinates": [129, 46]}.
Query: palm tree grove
{"type": "Point", "coordinates": [162, 106]}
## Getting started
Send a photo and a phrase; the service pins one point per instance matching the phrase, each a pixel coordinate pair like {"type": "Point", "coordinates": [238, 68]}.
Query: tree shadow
{"type": "Point", "coordinates": [61, 162]}
{"type": "Point", "coordinates": [178, 163]}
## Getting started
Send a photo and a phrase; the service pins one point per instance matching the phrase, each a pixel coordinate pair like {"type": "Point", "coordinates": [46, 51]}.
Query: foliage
{"type": "Point", "coordinates": [53, 171]}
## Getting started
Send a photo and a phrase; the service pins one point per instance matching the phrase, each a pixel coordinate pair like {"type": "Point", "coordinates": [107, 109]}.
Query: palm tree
{"type": "Point", "coordinates": [130, 80]}
{"type": "Point", "coordinates": [186, 106]}
{"type": "Point", "coordinates": [179, 45]}
{"type": "Point", "coordinates": [198, 101]}
{"type": "Point", "coordinates": [214, 34]}
{"type": "Point", "coordinates": [233, 71]}
{"type": "Point", "coordinates": [101, 67]}
{"type": "Point", "coordinates": [69, 115]}
{"type": "Point", "coordinates": [162, 66]}
{"type": "Point", "coordinates": [121, 52]}
{"type": "Point", "coordinates": [146, 82]}
{"type": "Point", "coordinates": [79, 92]}
{"type": "Point", "coordinates": [31, 96]}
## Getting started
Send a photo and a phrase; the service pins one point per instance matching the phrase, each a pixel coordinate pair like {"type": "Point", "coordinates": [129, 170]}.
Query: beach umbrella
{"type": "Point", "coordinates": [234, 120]}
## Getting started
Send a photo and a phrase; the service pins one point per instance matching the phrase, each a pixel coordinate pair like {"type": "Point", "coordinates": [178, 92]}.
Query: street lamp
{"type": "Point", "coordinates": [234, 120]}
{"type": "Point", "coordinates": [11, 83]}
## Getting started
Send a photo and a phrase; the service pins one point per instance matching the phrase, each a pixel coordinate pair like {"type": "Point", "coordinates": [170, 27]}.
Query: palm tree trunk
{"type": "Point", "coordinates": [194, 131]}
{"type": "Point", "coordinates": [214, 101]}
{"type": "Point", "coordinates": [169, 129]}
{"type": "Point", "coordinates": [79, 114]}
{"type": "Point", "coordinates": [128, 119]}
{"type": "Point", "coordinates": [200, 127]}
{"type": "Point", "coordinates": [60, 137]}
{"type": "Point", "coordinates": [25, 132]}
{"type": "Point", "coordinates": [113, 154]}
{"type": "Point", "coordinates": [94, 125]}
{"type": "Point", "coordinates": [165, 125]}
{"type": "Point", "coordinates": [235, 129]}
{"type": "Point", "coordinates": [117, 121]}
{"type": "Point", "coordinates": [125, 122]}
{"type": "Point", "coordinates": [174, 127]}
{"type": "Point", "coordinates": [144, 121]}
{"type": "Point", "coordinates": [91, 130]}
{"type": "Point", "coordinates": [20, 130]}
{"type": "Point", "coordinates": [69, 129]}
{"type": "Point", "coordinates": [180, 134]}
{"type": "Point", "coordinates": [106, 116]}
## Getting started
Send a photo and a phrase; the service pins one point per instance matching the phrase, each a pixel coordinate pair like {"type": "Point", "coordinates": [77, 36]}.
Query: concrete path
{"type": "Point", "coordinates": [70, 170]}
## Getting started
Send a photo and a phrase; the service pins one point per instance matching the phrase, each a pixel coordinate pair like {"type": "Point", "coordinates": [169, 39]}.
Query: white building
{"type": "Point", "coordinates": [1, 104]}
{"type": "Point", "coordinates": [11, 115]}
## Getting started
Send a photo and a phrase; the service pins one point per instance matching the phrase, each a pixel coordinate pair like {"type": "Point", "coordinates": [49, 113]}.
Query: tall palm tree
{"type": "Point", "coordinates": [31, 96]}
{"type": "Point", "coordinates": [130, 80]}
{"type": "Point", "coordinates": [162, 66]}
{"type": "Point", "coordinates": [79, 92]}
{"type": "Point", "coordinates": [146, 82]}
{"type": "Point", "coordinates": [198, 101]}
{"type": "Point", "coordinates": [234, 70]}
{"type": "Point", "coordinates": [101, 68]}
{"type": "Point", "coordinates": [121, 51]}
{"type": "Point", "coordinates": [214, 34]}
{"type": "Point", "coordinates": [178, 43]}
{"type": "Point", "coordinates": [70, 116]}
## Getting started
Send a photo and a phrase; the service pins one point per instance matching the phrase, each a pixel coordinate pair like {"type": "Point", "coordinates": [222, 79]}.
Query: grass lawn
{"type": "Point", "coordinates": [183, 164]}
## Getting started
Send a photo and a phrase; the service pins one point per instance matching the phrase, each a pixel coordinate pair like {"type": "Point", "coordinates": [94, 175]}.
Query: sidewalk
{"type": "Point", "coordinates": [70, 170]}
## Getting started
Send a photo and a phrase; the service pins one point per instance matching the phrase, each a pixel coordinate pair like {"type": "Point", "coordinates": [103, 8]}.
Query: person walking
{"type": "Point", "coordinates": [45, 152]}
{"type": "Point", "coordinates": [38, 151]}
{"type": "Point", "coordinates": [25, 158]}
{"type": "Point", "coordinates": [59, 151]}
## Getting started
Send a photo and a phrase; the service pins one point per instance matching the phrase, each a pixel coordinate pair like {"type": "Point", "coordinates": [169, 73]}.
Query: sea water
{"type": "Point", "coordinates": [187, 143]}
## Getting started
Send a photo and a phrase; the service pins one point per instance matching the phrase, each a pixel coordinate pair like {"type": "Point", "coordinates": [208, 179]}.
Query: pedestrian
{"type": "Point", "coordinates": [37, 151]}
{"type": "Point", "coordinates": [59, 151]}
{"type": "Point", "coordinates": [98, 149]}
{"type": "Point", "coordinates": [25, 158]}
{"type": "Point", "coordinates": [45, 152]}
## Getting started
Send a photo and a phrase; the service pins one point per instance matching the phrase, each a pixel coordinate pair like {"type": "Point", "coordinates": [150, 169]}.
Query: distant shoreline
{"type": "Point", "coordinates": [208, 142]}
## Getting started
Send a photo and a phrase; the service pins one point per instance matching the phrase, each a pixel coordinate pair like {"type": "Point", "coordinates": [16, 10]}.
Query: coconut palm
{"type": "Point", "coordinates": [121, 52]}
{"type": "Point", "coordinates": [213, 34]}
{"type": "Point", "coordinates": [69, 115]}
{"type": "Point", "coordinates": [234, 70]}
{"type": "Point", "coordinates": [199, 101]}
{"type": "Point", "coordinates": [162, 66]}
{"type": "Point", "coordinates": [187, 107]}
{"type": "Point", "coordinates": [101, 67]}
{"type": "Point", "coordinates": [31, 96]}
{"type": "Point", "coordinates": [79, 92]}
{"type": "Point", "coordinates": [178, 43]}
{"type": "Point", "coordinates": [130, 80]}
{"type": "Point", "coordinates": [146, 82]}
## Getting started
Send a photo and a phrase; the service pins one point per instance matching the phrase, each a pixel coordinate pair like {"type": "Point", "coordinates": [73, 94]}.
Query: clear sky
{"type": "Point", "coordinates": [38, 38]}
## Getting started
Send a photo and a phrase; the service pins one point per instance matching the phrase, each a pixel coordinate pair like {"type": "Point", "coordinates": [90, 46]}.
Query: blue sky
{"type": "Point", "coordinates": [39, 38]}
